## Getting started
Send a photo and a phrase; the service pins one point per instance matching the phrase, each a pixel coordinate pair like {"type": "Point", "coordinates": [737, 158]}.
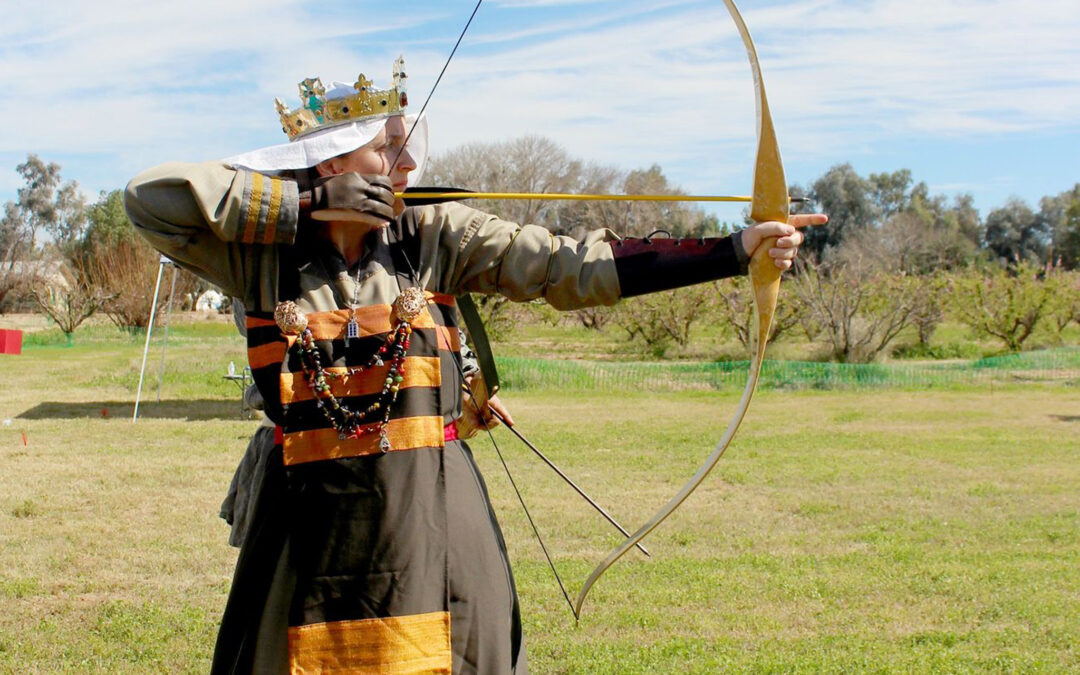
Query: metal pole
{"type": "Point", "coordinates": [146, 347]}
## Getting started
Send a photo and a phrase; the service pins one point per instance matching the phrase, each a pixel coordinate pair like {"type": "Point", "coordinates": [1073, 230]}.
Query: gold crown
{"type": "Point", "coordinates": [316, 112]}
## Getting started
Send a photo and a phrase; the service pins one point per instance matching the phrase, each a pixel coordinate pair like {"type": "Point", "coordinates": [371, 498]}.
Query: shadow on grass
{"type": "Point", "coordinates": [1066, 418]}
{"type": "Point", "coordinates": [189, 409]}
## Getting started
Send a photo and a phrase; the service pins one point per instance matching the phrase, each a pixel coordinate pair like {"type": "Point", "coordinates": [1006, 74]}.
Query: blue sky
{"type": "Point", "coordinates": [976, 96]}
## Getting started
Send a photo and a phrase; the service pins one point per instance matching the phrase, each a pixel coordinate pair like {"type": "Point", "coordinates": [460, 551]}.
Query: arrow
{"type": "Point", "coordinates": [426, 195]}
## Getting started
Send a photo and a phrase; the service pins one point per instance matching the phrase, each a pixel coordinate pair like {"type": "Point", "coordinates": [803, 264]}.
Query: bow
{"type": "Point", "coordinates": [769, 202]}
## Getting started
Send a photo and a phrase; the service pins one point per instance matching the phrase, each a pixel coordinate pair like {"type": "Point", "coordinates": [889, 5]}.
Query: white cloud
{"type": "Point", "coordinates": [623, 83]}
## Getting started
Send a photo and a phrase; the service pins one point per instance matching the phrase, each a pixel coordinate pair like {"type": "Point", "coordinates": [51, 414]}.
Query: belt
{"type": "Point", "coordinates": [450, 433]}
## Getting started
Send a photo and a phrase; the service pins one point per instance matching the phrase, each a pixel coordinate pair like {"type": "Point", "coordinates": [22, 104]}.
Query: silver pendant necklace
{"type": "Point", "coordinates": [352, 328]}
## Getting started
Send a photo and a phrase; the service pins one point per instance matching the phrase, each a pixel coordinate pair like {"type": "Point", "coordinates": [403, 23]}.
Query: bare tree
{"type": "Point", "coordinates": [859, 309]}
{"type": "Point", "coordinates": [594, 317]}
{"type": "Point", "coordinates": [125, 272]}
{"type": "Point", "coordinates": [929, 298]}
{"type": "Point", "coordinates": [735, 307]}
{"type": "Point", "coordinates": [658, 319]}
{"type": "Point", "coordinates": [70, 304]}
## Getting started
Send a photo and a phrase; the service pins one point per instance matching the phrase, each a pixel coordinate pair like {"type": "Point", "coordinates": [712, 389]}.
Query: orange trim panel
{"type": "Point", "coordinates": [267, 354]}
{"type": "Point", "coordinates": [407, 433]}
{"type": "Point", "coordinates": [420, 371]}
{"type": "Point", "coordinates": [256, 322]}
{"type": "Point", "coordinates": [253, 205]}
{"type": "Point", "coordinates": [398, 645]}
{"type": "Point", "coordinates": [448, 338]}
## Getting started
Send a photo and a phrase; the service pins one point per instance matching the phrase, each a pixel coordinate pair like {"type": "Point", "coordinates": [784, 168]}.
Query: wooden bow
{"type": "Point", "coordinates": [769, 202]}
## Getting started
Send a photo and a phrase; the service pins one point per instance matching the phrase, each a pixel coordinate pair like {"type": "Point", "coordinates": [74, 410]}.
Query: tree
{"type": "Point", "coordinates": [539, 165]}
{"type": "Point", "coordinates": [1014, 233]}
{"type": "Point", "coordinates": [735, 308]}
{"type": "Point", "coordinates": [658, 319]}
{"type": "Point", "coordinates": [1068, 243]}
{"type": "Point", "coordinates": [847, 198]}
{"type": "Point", "coordinates": [929, 303]}
{"type": "Point", "coordinates": [526, 164]}
{"type": "Point", "coordinates": [858, 309]}
{"type": "Point", "coordinates": [1061, 216]}
{"type": "Point", "coordinates": [69, 306]}
{"type": "Point", "coordinates": [640, 219]}
{"type": "Point", "coordinates": [1064, 306]}
{"type": "Point", "coordinates": [126, 272]}
{"type": "Point", "coordinates": [999, 302]}
{"type": "Point", "coordinates": [44, 204]}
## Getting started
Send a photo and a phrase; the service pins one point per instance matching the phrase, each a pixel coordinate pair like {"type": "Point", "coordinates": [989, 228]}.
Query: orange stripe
{"type": "Point", "coordinates": [396, 645]}
{"type": "Point", "coordinates": [267, 354]}
{"type": "Point", "coordinates": [407, 433]}
{"type": "Point", "coordinates": [420, 371]}
{"type": "Point", "coordinates": [442, 298]}
{"type": "Point", "coordinates": [371, 320]}
{"type": "Point", "coordinates": [255, 322]}
{"type": "Point", "coordinates": [253, 206]}
{"type": "Point", "coordinates": [448, 338]}
{"type": "Point", "coordinates": [275, 208]}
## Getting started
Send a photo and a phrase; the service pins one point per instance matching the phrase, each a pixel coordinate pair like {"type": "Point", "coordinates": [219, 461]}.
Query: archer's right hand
{"type": "Point", "coordinates": [366, 198]}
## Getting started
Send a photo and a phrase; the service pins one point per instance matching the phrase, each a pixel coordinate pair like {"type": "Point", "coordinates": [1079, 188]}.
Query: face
{"type": "Point", "coordinates": [377, 156]}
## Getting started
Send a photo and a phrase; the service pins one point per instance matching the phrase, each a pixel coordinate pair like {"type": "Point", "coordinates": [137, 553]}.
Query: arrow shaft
{"type": "Point", "coordinates": [600, 509]}
{"type": "Point", "coordinates": [565, 196]}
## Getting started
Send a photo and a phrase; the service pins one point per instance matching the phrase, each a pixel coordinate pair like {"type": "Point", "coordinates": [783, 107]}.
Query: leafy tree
{"type": "Point", "coordinates": [1015, 233]}
{"type": "Point", "coordinates": [107, 220]}
{"type": "Point", "coordinates": [1006, 304]}
{"type": "Point", "coordinates": [677, 218]}
{"type": "Point", "coordinates": [847, 198]}
{"type": "Point", "coordinates": [44, 204]}
{"type": "Point", "coordinates": [1064, 305]}
{"type": "Point", "coordinates": [1061, 216]}
{"type": "Point", "coordinates": [1068, 243]}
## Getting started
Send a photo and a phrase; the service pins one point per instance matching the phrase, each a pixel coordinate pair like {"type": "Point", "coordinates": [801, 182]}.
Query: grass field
{"type": "Point", "coordinates": [889, 531]}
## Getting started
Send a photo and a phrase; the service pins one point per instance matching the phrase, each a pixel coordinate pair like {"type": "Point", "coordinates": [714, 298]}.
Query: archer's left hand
{"type": "Point", "coordinates": [789, 237]}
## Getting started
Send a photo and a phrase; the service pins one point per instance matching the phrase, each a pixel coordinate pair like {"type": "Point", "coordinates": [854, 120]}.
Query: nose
{"type": "Point", "coordinates": [405, 162]}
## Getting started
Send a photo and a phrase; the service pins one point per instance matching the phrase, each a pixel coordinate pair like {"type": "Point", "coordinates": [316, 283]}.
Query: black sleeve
{"type": "Point", "coordinates": [659, 264]}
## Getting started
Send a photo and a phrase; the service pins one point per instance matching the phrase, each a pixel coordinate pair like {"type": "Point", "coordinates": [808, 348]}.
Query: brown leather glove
{"type": "Point", "coordinates": [371, 194]}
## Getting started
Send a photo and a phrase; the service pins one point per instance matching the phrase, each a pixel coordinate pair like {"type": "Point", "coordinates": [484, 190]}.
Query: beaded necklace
{"type": "Point", "coordinates": [351, 423]}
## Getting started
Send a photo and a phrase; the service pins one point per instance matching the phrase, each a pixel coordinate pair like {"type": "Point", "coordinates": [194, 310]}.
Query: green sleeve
{"type": "Point", "coordinates": [221, 223]}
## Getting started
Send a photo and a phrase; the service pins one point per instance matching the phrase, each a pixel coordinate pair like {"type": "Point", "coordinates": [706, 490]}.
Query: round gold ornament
{"type": "Point", "coordinates": [290, 318]}
{"type": "Point", "coordinates": [409, 304]}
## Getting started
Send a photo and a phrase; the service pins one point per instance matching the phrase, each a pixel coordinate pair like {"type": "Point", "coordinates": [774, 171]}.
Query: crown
{"type": "Point", "coordinates": [316, 112]}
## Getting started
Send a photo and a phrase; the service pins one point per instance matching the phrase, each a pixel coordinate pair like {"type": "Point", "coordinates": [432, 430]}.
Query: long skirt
{"type": "Point", "coordinates": [392, 563]}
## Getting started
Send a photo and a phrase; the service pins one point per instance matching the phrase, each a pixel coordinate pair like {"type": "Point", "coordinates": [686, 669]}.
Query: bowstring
{"type": "Point", "coordinates": [517, 491]}
{"type": "Point", "coordinates": [457, 362]}
{"type": "Point", "coordinates": [438, 79]}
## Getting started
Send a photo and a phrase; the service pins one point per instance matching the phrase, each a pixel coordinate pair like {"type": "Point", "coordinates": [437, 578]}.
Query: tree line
{"type": "Point", "coordinates": [893, 257]}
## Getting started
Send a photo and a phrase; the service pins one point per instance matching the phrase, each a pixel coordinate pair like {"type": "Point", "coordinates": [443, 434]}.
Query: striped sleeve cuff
{"type": "Point", "coordinates": [269, 210]}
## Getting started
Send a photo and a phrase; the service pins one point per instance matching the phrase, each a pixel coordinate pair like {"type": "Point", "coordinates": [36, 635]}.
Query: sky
{"type": "Point", "coordinates": [973, 96]}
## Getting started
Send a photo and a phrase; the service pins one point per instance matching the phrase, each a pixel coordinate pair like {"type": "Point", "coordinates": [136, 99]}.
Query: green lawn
{"type": "Point", "coordinates": [844, 531]}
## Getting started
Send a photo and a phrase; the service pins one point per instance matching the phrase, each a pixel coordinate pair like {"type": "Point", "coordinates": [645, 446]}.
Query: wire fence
{"type": "Point", "coordinates": [1060, 365]}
